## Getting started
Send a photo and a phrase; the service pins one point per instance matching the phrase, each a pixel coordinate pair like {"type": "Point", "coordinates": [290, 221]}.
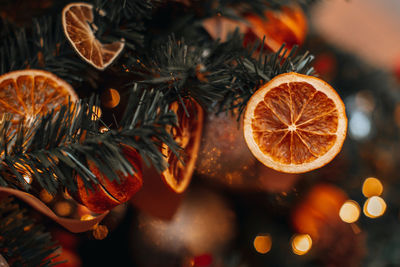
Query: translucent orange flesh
{"type": "Point", "coordinates": [185, 136]}
{"type": "Point", "coordinates": [295, 123]}
{"type": "Point", "coordinates": [78, 20]}
{"type": "Point", "coordinates": [27, 96]}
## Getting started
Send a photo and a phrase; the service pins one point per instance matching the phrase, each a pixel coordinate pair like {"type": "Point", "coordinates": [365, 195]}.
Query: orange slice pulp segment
{"type": "Point", "coordinates": [188, 135]}
{"type": "Point", "coordinates": [27, 93]}
{"type": "Point", "coordinates": [295, 123]}
{"type": "Point", "coordinates": [77, 20]}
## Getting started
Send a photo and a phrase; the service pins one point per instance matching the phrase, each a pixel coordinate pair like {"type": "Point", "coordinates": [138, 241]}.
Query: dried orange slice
{"type": "Point", "coordinates": [295, 123]}
{"type": "Point", "coordinates": [27, 93]}
{"type": "Point", "coordinates": [77, 20]}
{"type": "Point", "coordinates": [188, 135]}
{"type": "Point", "coordinates": [288, 25]}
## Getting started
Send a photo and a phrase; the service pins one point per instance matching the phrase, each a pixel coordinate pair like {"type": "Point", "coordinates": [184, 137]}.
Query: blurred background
{"type": "Point", "coordinates": [237, 212]}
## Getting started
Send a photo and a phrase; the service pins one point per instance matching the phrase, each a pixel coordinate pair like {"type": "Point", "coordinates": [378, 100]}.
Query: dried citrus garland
{"type": "Point", "coordinates": [28, 93]}
{"type": "Point", "coordinates": [188, 135]}
{"type": "Point", "coordinates": [295, 123]}
{"type": "Point", "coordinates": [77, 20]}
{"type": "Point", "coordinates": [286, 26]}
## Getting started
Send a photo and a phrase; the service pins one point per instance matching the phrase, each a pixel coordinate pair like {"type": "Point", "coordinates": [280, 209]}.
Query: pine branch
{"type": "Point", "coordinates": [251, 73]}
{"type": "Point", "coordinates": [22, 241]}
{"type": "Point", "coordinates": [15, 50]}
{"type": "Point", "coordinates": [43, 46]}
{"type": "Point", "coordinates": [60, 144]}
{"type": "Point", "coordinates": [180, 69]}
{"type": "Point", "coordinates": [120, 10]}
{"type": "Point", "coordinates": [55, 54]}
{"type": "Point", "coordinates": [123, 19]}
{"type": "Point", "coordinates": [220, 75]}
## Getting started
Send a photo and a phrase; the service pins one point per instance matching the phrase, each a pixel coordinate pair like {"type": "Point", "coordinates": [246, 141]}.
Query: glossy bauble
{"type": "Point", "coordinates": [225, 159]}
{"type": "Point", "coordinates": [107, 194]}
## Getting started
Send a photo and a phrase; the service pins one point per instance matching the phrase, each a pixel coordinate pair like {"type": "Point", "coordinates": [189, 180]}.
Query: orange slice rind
{"type": "Point", "coordinates": [188, 136]}
{"type": "Point", "coordinates": [295, 123]}
{"type": "Point", "coordinates": [77, 20]}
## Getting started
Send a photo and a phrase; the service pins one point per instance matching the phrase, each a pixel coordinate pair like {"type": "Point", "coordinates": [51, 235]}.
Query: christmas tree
{"type": "Point", "coordinates": [191, 133]}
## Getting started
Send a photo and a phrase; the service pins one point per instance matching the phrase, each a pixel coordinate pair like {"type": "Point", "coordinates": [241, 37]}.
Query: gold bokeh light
{"type": "Point", "coordinates": [350, 211]}
{"type": "Point", "coordinates": [374, 207]}
{"type": "Point", "coordinates": [372, 187]}
{"type": "Point", "coordinates": [262, 243]}
{"type": "Point", "coordinates": [301, 243]}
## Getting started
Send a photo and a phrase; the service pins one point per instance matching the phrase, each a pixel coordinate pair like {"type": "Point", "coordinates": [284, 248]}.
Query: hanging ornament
{"type": "Point", "coordinates": [77, 20]}
{"type": "Point", "coordinates": [187, 134]}
{"type": "Point", "coordinates": [224, 156]}
{"type": "Point", "coordinates": [28, 93]}
{"type": "Point", "coordinates": [285, 26]}
{"type": "Point", "coordinates": [107, 194]}
{"type": "Point", "coordinates": [225, 159]}
{"type": "Point", "coordinates": [295, 123]}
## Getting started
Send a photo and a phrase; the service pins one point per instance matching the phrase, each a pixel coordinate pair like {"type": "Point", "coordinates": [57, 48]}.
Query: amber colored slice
{"type": "Point", "coordinates": [286, 26]}
{"type": "Point", "coordinates": [295, 123]}
{"type": "Point", "coordinates": [27, 93]}
{"type": "Point", "coordinates": [188, 135]}
{"type": "Point", "coordinates": [77, 19]}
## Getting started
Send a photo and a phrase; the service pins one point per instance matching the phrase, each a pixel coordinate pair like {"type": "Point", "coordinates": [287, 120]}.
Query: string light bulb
{"type": "Point", "coordinates": [350, 211]}
{"type": "Point", "coordinates": [262, 243]}
{"type": "Point", "coordinates": [374, 207]}
{"type": "Point", "coordinates": [301, 243]}
{"type": "Point", "coordinates": [372, 187]}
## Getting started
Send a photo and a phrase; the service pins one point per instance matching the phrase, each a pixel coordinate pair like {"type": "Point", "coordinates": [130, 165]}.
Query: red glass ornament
{"type": "Point", "coordinates": [106, 195]}
{"type": "Point", "coordinates": [203, 260]}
